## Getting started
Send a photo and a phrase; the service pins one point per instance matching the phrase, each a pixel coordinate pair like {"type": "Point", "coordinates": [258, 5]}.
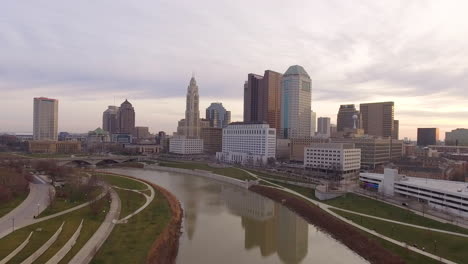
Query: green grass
{"type": "Point", "coordinates": [448, 246]}
{"type": "Point", "coordinates": [61, 204]}
{"type": "Point", "coordinates": [274, 177]}
{"type": "Point", "coordinates": [50, 155]}
{"type": "Point", "coordinates": [361, 204]}
{"type": "Point", "coordinates": [6, 207]}
{"type": "Point", "coordinates": [48, 228]}
{"type": "Point", "coordinates": [122, 182]}
{"type": "Point", "coordinates": [229, 172]}
{"type": "Point", "coordinates": [130, 202]}
{"type": "Point", "coordinates": [131, 242]}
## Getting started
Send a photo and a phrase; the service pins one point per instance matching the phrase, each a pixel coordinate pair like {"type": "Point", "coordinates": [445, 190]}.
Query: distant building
{"type": "Point", "coordinates": [348, 118]}
{"type": "Point", "coordinates": [45, 122]}
{"type": "Point", "coordinates": [126, 118]}
{"type": "Point", "coordinates": [378, 119]}
{"type": "Point", "coordinates": [212, 139]}
{"type": "Point", "coordinates": [296, 103]}
{"type": "Point", "coordinates": [98, 136]}
{"type": "Point", "coordinates": [428, 136]}
{"type": "Point", "coordinates": [110, 122]}
{"type": "Point", "coordinates": [457, 137]}
{"type": "Point", "coordinates": [333, 130]}
{"type": "Point", "coordinates": [283, 149]}
{"type": "Point", "coordinates": [192, 111]}
{"type": "Point", "coordinates": [396, 129]}
{"type": "Point", "coordinates": [299, 144]}
{"type": "Point", "coordinates": [123, 138]}
{"type": "Point", "coordinates": [245, 143]}
{"type": "Point", "coordinates": [313, 123]}
{"type": "Point", "coordinates": [52, 147]}
{"type": "Point", "coordinates": [262, 98]}
{"type": "Point", "coordinates": [323, 124]}
{"type": "Point", "coordinates": [185, 146]}
{"type": "Point", "coordinates": [141, 133]}
{"type": "Point", "coordinates": [145, 149]}
{"type": "Point", "coordinates": [218, 115]}
{"type": "Point", "coordinates": [334, 159]}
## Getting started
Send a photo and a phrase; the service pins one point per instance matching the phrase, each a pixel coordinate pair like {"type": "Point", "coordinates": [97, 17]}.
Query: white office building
{"type": "Point", "coordinates": [245, 143]}
{"type": "Point", "coordinates": [445, 196]}
{"type": "Point", "coordinates": [45, 122]}
{"type": "Point", "coordinates": [339, 159]}
{"type": "Point", "coordinates": [296, 101]}
{"type": "Point", "coordinates": [185, 146]}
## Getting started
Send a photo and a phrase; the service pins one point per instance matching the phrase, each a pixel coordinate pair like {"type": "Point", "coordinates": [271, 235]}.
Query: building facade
{"type": "Point", "coordinates": [457, 137]}
{"type": "Point", "coordinates": [296, 103]}
{"type": "Point", "coordinates": [185, 146]}
{"type": "Point", "coordinates": [141, 133]}
{"type": "Point", "coordinates": [297, 146]}
{"type": "Point", "coordinates": [126, 118]}
{"type": "Point", "coordinates": [212, 139]}
{"type": "Point", "coordinates": [45, 121]}
{"type": "Point", "coordinates": [245, 143]}
{"type": "Point", "coordinates": [335, 159]}
{"type": "Point", "coordinates": [378, 119]}
{"type": "Point", "coordinates": [52, 147]}
{"type": "Point", "coordinates": [323, 127]}
{"type": "Point", "coordinates": [218, 115]}
{"type": "Point", "coordinates": [313, 123]}
{"type": "Point", "coordinates": [428, 136]}
{"type": "Point", "coordinates": [192, 111]}
{"type": "Point", "coordinates": [348, 118]}
{"type": "Point", "coordinates": [110, 119]}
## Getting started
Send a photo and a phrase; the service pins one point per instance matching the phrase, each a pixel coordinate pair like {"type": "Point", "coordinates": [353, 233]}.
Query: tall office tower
{"type": "Point", "coordinates": [109, 119]}
{"type": "Point", "coordinates": [45, 122]}
{"type": "Point", "coordinates": [218, 115]}
{"type": "Point", "coordinates": [457, 137]}
{"type": "Point", "coordinates": [348, 117]}
{"type": "Point", "coordinates": [323, 127]}
{"type": "Point", "coordinates": [296, 103]}
{"type": "Point", "coordinates": [377, 119]}
{"type": "Point", "coordinates": [126, 118]}
{"type": "Point", "coordinates": [262, 98]}
{"type": "Point", "coordinates": [428, 136]}
{"type": "Point", "coordinates": [313, 123]}
{"type": "Point", "coordinates": [396, 129]}
{"type": "Point", "coordinates": [192, 111]}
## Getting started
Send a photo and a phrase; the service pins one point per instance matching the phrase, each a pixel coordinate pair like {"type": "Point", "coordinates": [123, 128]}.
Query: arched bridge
{"type": "Point", "coordinates": [93, 161]}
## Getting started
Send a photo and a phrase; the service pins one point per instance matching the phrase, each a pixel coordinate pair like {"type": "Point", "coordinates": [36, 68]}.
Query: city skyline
{"type": "Point", "coordinates": [416, 62]}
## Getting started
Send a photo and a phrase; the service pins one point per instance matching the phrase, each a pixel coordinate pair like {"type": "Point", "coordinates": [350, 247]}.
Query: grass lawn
{"type": "Point", "coordinates": [6, 207]}
{"type": "Point", "coordinates": [271, 176]}
{"type": "Point", "coordinates": [131, 242]}
{"type": "Point", "coordinates": [61, 204]}
{"type": "Point", "coordinates": [130, 202]}
{"type": "Point", "coordinates": [372, 207]}
{"type": "Point", "coordinates": [48, 228]}
{"type": "Point", "coordinates": [122, 182]}
{"type": "Point", "coordinates": [448, 246]}
{"type": "Point", "coordinates": [229, 172]}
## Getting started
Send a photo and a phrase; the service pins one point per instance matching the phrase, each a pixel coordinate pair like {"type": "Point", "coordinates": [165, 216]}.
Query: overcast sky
{"type": "Point", "coordinates": [86, 53]}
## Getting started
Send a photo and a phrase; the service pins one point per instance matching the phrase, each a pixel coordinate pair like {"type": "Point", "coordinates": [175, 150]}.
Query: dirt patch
{"type": "Point", "coordinates": [352, 237]}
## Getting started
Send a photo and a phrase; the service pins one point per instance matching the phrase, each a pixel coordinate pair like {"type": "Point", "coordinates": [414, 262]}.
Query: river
{"type": "Point", "coordinates": [227, 224]}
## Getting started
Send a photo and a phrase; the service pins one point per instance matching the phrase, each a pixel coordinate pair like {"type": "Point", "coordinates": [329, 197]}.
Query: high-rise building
{"type": "Point", "coordinates": [348, 118]}
{"type": "Point", "coordinates": [192, 111]}
{"type": "Point", "coordinates": [396, 129]}
{"type": "Point", "coordinates": [313, 123]}
{"type": "Point", "coordinates": [212, 139]}
{"type": "Point", "coordinates": [141, 132]}
{"type": "Point", "coordinates": [377, 119]}
{"type": "Point", "coordinates": [109, 119]}
{"type": "Point", "coordinates": [262, 98]}
{"type": "Point", "coordinates": [218, 115]}
{"type": "Point", "coordinates": [323, 127]}
{"type": "Point", "coordinates": [296, 103]}
{"type": "Point", "coordinates": [45, 121]}
{"type": "Point", "coordinates": [428, 136]}
{"type": "Point", "coordinates": [457, 137]}
{"type": "Point", "coordinates": [126, 118]}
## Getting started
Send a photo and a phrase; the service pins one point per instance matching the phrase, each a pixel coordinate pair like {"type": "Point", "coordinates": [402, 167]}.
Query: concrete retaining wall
{"type": "Point", "coordinates": [67, 247]}
{"type": "Point", "coordinates": [322, 195]}
{"type": "Point", "coordinates": [44, 247]}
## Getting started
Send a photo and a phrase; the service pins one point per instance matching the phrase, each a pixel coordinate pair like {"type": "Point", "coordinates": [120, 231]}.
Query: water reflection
{"type": "Point", "coordinates": [268, 225]}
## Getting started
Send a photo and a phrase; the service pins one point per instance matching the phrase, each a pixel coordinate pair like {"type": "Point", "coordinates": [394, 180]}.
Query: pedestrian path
{"type": "Point", "coordinates": [17, 250]}
{"type": "Point", "coordinates": [34, 256]}
{"type": "Point", "coordinates": [67, 247]}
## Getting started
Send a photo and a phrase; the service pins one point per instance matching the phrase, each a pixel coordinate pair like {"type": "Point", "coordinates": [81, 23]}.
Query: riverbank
{"type": "Point", "coordinates": [348, 235]}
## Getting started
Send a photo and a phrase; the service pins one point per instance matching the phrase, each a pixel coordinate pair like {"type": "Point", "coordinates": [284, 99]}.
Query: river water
{"type": "Point", "coordinates": [227, 224]}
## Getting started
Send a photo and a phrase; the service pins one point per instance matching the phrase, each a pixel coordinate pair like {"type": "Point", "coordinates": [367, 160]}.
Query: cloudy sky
{"type": "Point", "coordinates": [89, 53]}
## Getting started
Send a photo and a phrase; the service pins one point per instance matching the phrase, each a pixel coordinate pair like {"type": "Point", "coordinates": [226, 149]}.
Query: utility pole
{"type": "Point", "coordinates": [13, 224]}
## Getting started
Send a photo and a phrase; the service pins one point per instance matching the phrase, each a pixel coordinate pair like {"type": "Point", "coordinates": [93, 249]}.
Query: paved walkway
{"type": "Point", "coordinates": [87, 252]}
{"type": "Point", "coordinates": [327, 209]}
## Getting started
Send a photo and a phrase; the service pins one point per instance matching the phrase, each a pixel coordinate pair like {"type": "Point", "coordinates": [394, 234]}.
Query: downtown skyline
{"type": "Point", "coordinates": [414, 58]}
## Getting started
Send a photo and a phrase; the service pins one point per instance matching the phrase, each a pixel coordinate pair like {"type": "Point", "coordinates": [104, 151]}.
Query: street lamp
{"type": "Point", "coordinates": [13, 224]}
{"type": "Point", "coordinates": [38, 205]}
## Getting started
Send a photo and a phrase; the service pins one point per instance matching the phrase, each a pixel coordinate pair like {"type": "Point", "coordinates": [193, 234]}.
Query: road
{"type": "Point", "coordinates": [36, 202]}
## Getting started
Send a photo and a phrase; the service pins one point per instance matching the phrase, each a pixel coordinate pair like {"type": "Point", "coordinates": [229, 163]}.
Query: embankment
{"type": "Point", "coordinates": [341, 231]}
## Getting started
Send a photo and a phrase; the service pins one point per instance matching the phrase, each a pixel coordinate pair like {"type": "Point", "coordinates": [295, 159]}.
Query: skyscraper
{"type": "Point", "coordinates": [345, 118]}
{"type": "Point", "coordinates": [126, 118]}
{"type": "Point", "coordinates": [262, 98]}
{"type": "Point", "coordinates": [377, 119]}
{"type": "Point", "coordinates": [324, 127]}
{"type": "Point", "coordinates": [296, 103]}
{"type": "Point", "coordinates": [428, 136]}
{"type": "Point", "coordinates": [396, 129]}
{"type": "Point", "coordinates": [45, 120]}
{"type": "Point", "coordinates": [218, 115]}
{"type": "Point", "coordinates": [109, 119]}
{"type": "Point", "coordinates": [313, 123]}
{"type": "Point", "coordinates": [192, 111]}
